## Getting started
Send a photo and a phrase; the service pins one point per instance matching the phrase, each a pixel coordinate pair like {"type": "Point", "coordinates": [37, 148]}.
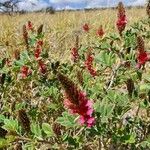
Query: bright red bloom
{"type": "Point", "coordinates": [121, 23]}
{"type": "Point", "coordinates": [75, 54]}
{"type": "Point", "coordinates": [142, 56]}
{"type": "Point", "coordinates": [76, 101]}
{"type": "Point", "coordinates": [89, 65]}
{"type": "Point", "coordinates": [84, 109]}
{"type": "Point", "coordinates": [37, 51]}
{"type": "Point", "coordinates": [100, 32]}
{"type": "Point", "coordinates": [86, 27]}
{"type": "Point", "coordinates": [42, 67]}
{"type": "Point", "coordinates": [30, 26]}
{"type": "Point", "coordinates": [122, 20]}
{"type": "Point", "coordinates": [25, 71]}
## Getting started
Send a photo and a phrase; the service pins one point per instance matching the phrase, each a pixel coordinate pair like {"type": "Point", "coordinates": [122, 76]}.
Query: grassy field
{"type": "Point", "coordinates": [60, 93]}
{"type": "Point", "coordinates": [61, 27]}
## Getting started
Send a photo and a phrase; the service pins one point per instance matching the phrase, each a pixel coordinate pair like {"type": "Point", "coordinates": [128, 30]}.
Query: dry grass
{"type": "Point", "coordinates": [60, 28]}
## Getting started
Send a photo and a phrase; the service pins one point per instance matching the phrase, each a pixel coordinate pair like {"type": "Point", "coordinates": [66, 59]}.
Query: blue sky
{"type": "Point", "coordinates": [73, 4]}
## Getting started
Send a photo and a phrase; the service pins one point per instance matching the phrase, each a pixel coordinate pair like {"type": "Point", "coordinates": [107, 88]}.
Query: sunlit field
{"type": "Point", "coordinates": [60, 28]}
{"type": "Point", "coordinates": [75, 80]}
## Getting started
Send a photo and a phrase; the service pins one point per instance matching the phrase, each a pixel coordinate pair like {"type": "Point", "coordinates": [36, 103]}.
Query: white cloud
{"type": "Point", "coordinates": [66, 8]}
{"type": "Point", "coordinates": [139, 2]}
{"type": "Point", "coordinates": [31, 4]}
{"type": "Point", "coordinates": [67, 1]}
{"type": "Point", "coordinates": [67, 4]}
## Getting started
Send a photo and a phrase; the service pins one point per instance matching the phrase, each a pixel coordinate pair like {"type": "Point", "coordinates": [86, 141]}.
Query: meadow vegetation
{"type": "Point", "coordinates": [75, 80]}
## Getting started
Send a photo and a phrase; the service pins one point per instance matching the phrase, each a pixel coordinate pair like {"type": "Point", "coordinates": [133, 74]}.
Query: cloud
{"type": "Point", "coordinates": [138, 2]}
{"type": "Point", "coordinates": [31, 4]}
{"type": "Point", "coordinates": [93, 3]}
{"type": "Point", "coordinates": [73, 4]}
{"type": "Point", "coordinates": [67, 1]}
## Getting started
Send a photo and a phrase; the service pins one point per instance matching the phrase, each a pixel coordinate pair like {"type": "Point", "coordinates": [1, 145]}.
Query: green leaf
{"type": "Point", "coordinates": [67, 120]}
{"type": "Point", "coordinates": [144, 87]}
{"type": "Point", "coordinates": [130, 139]}
{"type": "Point", "coordinates": [3, 143]}
{"type": "Point", "coordinates": [2, 118]}
{"type": "Point", "coordinates": [105, 109]}
{"type": "Point", "coordinates": [10, 125]}
{"type": "Point", "coordinates": [47, 129]}
{"type": "Point", "coordinates": [105, 58]}
{"type": "Point", "coordinates": [36, 130]}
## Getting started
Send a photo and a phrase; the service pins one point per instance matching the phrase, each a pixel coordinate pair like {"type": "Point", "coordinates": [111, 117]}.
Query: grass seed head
{"type": "Point", "coordinates": [24, 120]}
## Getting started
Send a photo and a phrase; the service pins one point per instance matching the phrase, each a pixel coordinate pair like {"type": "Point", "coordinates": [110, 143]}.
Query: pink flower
{"type": "Point", "coordinates": [89, 65]}
{"type": "Point", "coordinates": [84, 109]}
{"type": "Point", "coordinates": [86, 27]}
{"type": "Point", "coordinates": [75, 54]}
{"type": "Point", "coordinates": [77, 102]}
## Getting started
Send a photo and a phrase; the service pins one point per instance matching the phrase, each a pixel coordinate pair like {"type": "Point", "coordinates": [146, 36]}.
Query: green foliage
{"type": "Point", "coordinates": [121, 108]}
{"type": "Point", "coordinates": [67, 120]}
{"type": "Point", "coordinates": [47, 129]}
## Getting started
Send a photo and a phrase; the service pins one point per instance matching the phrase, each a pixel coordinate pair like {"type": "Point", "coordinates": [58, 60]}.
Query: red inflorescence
{"type": "Point", "coordinates": [25, 71]}
{"type": "Point", "coordinates": [42, 67]}
{"type": "Point", "coordinates": [84, 109]}
{"type": "Point", "coordinates": [121, 23]}
{"type": "Point", "coordinates": [30, 26]}
{"type": "Point", "coordinates": [122, 20]}
{"type": "Point", "coordinates": [37, 51]}
{"type": "Point", "coordinates": [89, 64]}
{"type": "Point", "coordinates": [142, 56]}
{"type": "Point", "coordinates": [100, 32]}
{"type": "Point", "coordinates": [77, 102]}
{"type": "Point", "coordinates": [86, 27]}
{"type": "Point", "coordinates": [75, 54]}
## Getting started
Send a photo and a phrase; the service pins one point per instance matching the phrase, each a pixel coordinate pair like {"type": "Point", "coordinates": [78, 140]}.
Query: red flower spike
{"type": "Point", "coordinates": [122, 21]}
{"type": "Point", "coordinates": [42, 67]}
{"type": "Point", "coordinates": [86, 27]}
{"type": "Point", "coordinates": [142, 56]}
{"type": "Point", "coordinates": [100, 32]}
{"type": "Point", "coordinates": [89, 64]}
{"type": "Point", "coordinates": [77, 102]}
{"type": "Point", "coordinates": [25, 71]}
{"type": "Point", "coordinates": [37, 51]}
{"type": "Point", "coordinates": [75, 54]}
{"type": "Point", "coordinates": [30, 26]}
